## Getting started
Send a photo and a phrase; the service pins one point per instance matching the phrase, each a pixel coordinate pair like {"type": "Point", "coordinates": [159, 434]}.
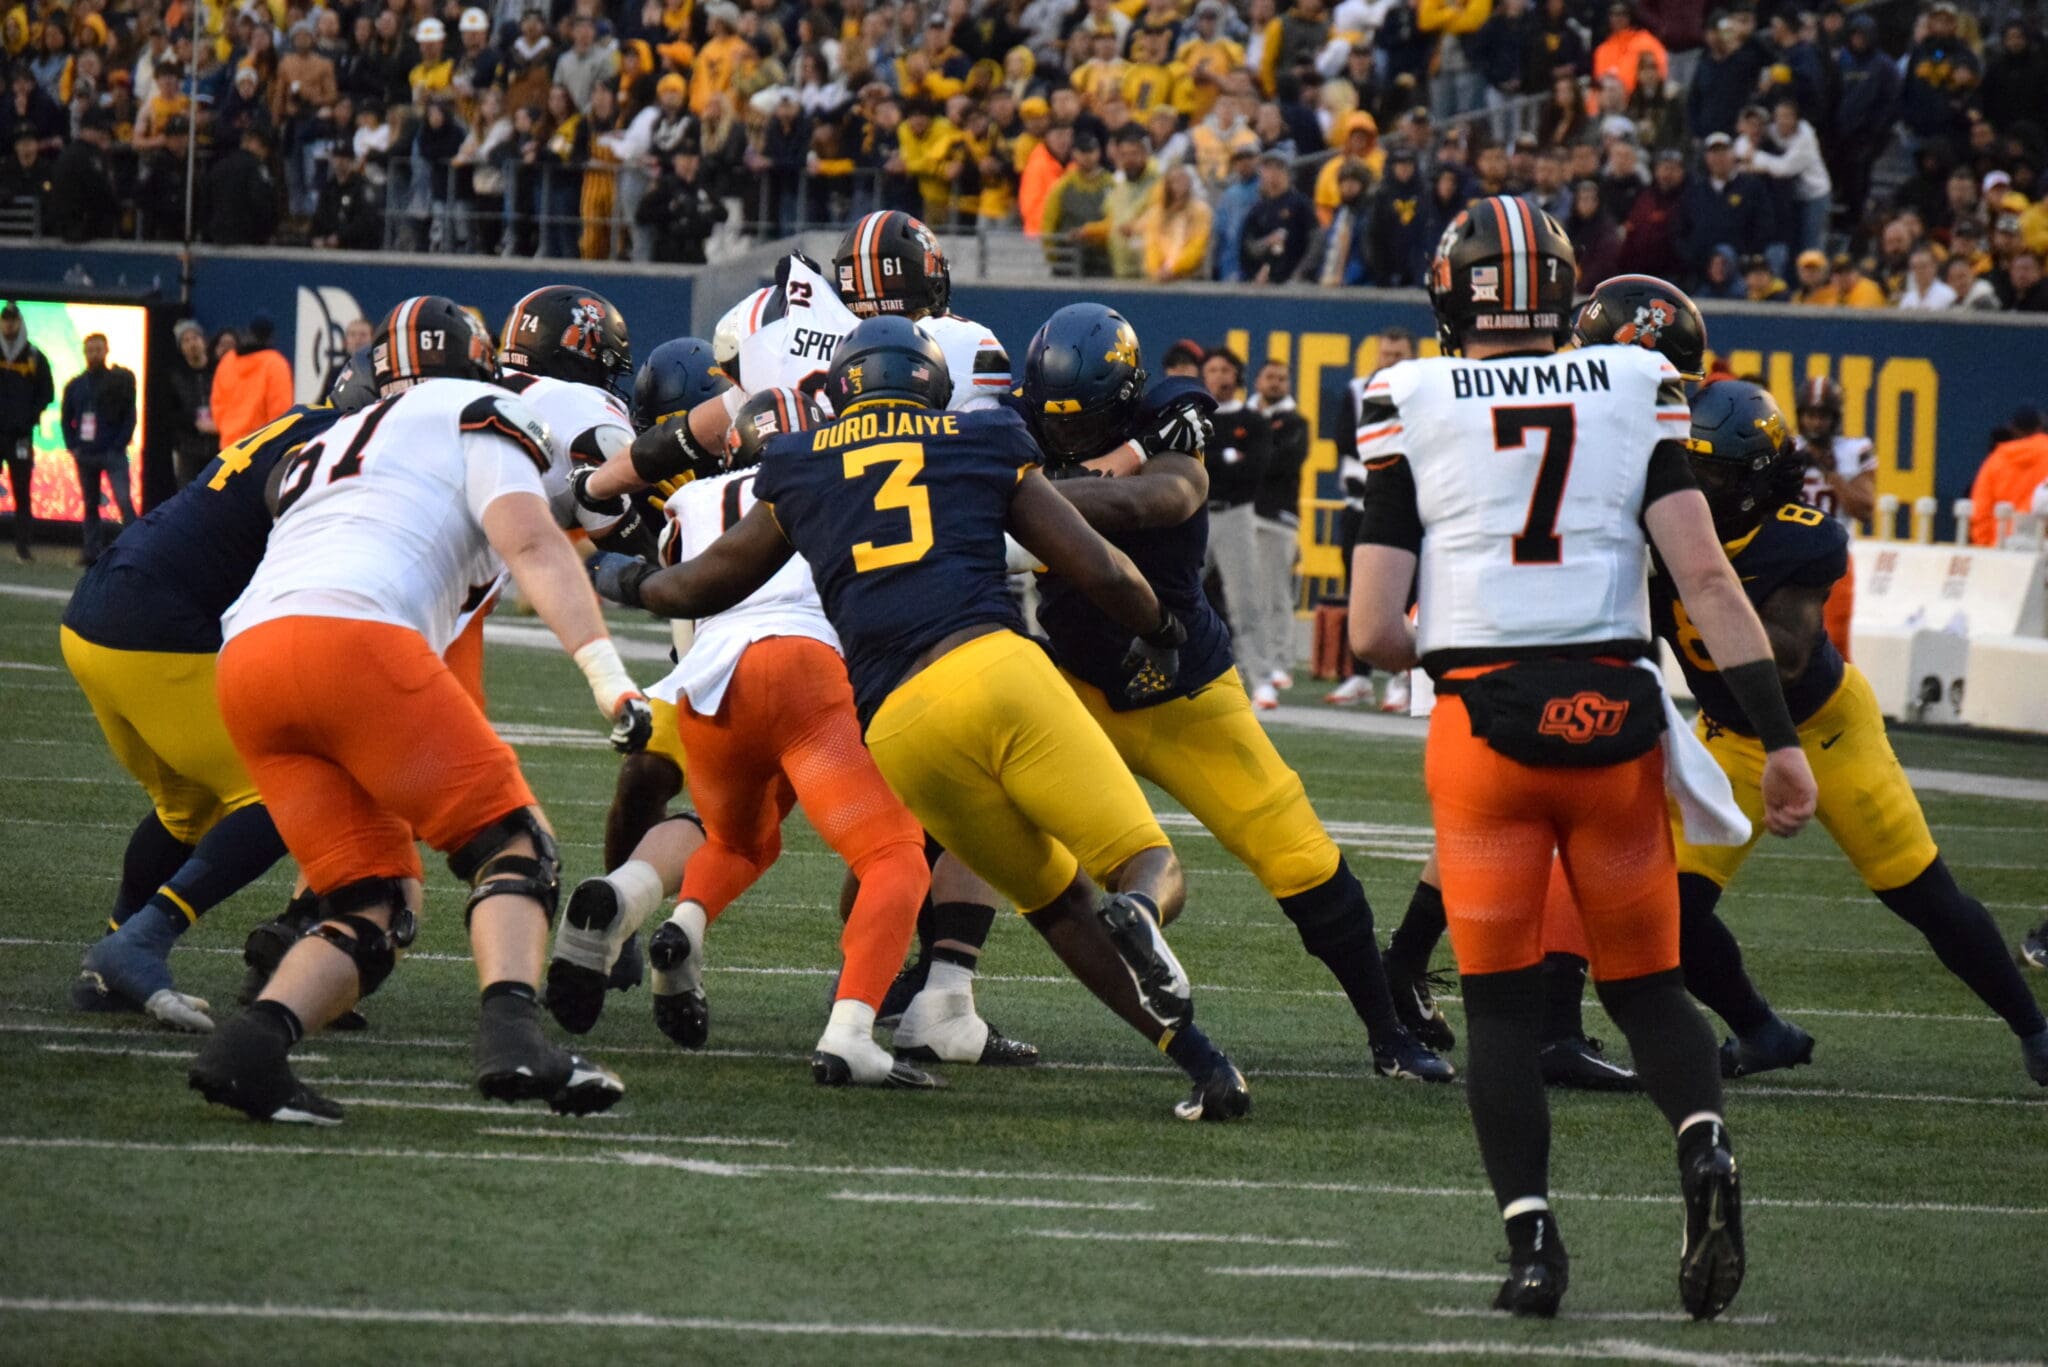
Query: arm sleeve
{"type": "Point", "coordinates": [494, 466]}
{"type": "Point", "coordinates": [1389, 516]}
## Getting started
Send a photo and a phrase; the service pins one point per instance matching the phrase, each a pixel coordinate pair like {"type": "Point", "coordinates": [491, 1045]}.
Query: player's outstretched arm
{"type": "Point", "coordinates": [728, 570]}
{"type": "Point", "coordinates": [685, 444]}
{"type": "Point", "coordinates": [1683, 531]}
{"type": "Point", "coordinates": [1164, 492]}
{"type": "Point", "coordinates": [1052, 529]}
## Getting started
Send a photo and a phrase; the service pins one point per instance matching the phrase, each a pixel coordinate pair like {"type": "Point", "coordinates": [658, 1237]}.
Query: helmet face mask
{"type": "Point", "coordinates": [1084, 380]}
{"type": "Point", "coordinates": [564, 332]}
{"type": "Point", "coordinates": [1641, 310]}
{"type": "Point", "coordinates": [1503, 267]}
{"type": "Point", "coordinates": [888, 358]}
{"type": "Point", "coordinates": [890, 264]}
{"type": "Point", "coordinates": [1741, 455]}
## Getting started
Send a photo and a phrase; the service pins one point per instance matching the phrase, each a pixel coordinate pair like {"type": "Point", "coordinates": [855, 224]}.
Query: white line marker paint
{"type": "Point", "coordinates": [1468, 1312]}
{"type": "Point", "coordinates": [34, 591]}
{"type": "Point", "coordinates": [930, 1198]}
{"type": "Point", "coordinates": [119, 1052]}
{"type": "Point", "coordinates": [386, 1103]}
{"type": "Point", "coordinates": [1366, 1274]}
{"type": "Point", "coordinates": [1818, 1094]}
{"type": "Point", "coordinates": [30, 668]}
{"type": "Point", "coordinates": [723, 1140]}
{"type": "Point", "coordinates": [1104, 1236]}
{"type": "Point", "coordinates": [437, 1085]}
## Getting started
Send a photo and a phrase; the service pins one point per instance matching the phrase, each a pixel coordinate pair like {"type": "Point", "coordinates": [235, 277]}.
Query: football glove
{"type": "Point", "coordinates": [1184, 429]}
{"type": "Point", "coordinates": [1153, 662]}
{"type": "Point", "coordinates": [1073, 469]}
{"type": "Point", "coordinates": [617, 578]}
{"type": "Point", "coordinates": [633, 727]}
{"type": "Point", "coordinates": [603, 518]}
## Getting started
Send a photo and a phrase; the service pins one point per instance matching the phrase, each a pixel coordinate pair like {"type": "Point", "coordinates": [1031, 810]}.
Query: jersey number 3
{"type": "Point", "coordinates": [899, 491]}
{"type": "Point", "coordinates": [1538, 543]}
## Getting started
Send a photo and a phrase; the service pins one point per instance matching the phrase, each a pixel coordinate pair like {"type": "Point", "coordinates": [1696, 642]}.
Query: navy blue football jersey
{"type": "Point", "coordinates": [1798, 547]}
{"type": "Point", "coordinates": [1088, 644]}
{"type": "Point", "coordinates": [166, 580]}
{"type": "Point", "coordinates": [900, 513]}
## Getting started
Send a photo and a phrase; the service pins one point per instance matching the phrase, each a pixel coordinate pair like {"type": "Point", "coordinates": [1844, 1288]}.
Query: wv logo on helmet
{"type": "Point", "coordinates": [1582, 717]}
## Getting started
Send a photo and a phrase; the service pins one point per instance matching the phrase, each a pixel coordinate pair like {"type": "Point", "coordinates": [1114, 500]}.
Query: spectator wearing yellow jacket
{"type": "Point", "coordinates": [1175, 228]}
{"type": "Point", "coordinates": [927, 142]}
{"type": "Point", "coordinates": [1204, 60]}
{"type": "Point", "coordinates": [1148, 80]}
{"type": "Point", "coordinates": [1357, 139]}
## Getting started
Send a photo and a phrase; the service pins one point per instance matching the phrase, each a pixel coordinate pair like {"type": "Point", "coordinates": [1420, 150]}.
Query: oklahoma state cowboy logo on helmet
{"type": "Point", "coordinates": [1646, 329]}
{"type": "Point", "coordinates": [1582, 717]}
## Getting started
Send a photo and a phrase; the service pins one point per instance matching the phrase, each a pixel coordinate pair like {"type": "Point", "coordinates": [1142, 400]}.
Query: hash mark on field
{"type": "Point", "coordinates": [33, 668]}
{"type": "Point", "coordinates": [727, 1140]}
{"type": "Point", "coordinates": [121, 1052]}
{"type": "Point", "coordinates": [1470, 1312]}
{"type": "Point", "coordinates": [431, 1084]}
{"type": "Point", "coordinates": [1173, 1237]}
{"type": "Point", "coordinates": [452, 1107]}
{"type": "Point", "coordinates": [930, 1198]}
{"type": "Point", "coordinates": [1372, 1274]}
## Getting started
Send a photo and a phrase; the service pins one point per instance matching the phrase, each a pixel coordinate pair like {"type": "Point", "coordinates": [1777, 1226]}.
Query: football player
{"type": "Point", "coordinates": [1840, 479]}
{"type": "Point", "coordinates": [140, 635]}
{"type": "Point", "coordinates": [1083, 396]}
{"type": "Point", "coordinates": [900, 510]}
{"type": "Point", "coordinates": [1531, 546]}
{"type": "Point", "coordinates": [359, 736]}
{"type": "Point", "coordinates": [1788, 555]}
{"type": "Point", "coordinates": [763, 703]}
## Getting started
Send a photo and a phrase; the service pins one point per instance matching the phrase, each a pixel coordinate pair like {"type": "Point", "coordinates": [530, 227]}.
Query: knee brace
{"type": "Point", "coordinates": [491, 873]}
{"type": "Point", "coordinates": [690, 818]}
{"type": "Point", "coordinates": [374, 948]}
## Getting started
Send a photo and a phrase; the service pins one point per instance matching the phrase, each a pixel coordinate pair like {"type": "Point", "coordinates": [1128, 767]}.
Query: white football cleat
{"type": "Point", "coordinates": [1396, 697]}
{"type": "Point", "coordinates": [1265, 698]}
{"type": "Point", "coordinates": [1280, 679]}
{"type": "Point", "coordinates": [1354, 690]}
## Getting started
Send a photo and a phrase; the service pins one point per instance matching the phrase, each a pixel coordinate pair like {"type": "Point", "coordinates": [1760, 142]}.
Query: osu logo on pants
{"type": "Point", "coordinates": [1582, 716]}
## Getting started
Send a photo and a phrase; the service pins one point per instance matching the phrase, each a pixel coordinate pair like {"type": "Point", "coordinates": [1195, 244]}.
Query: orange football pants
{"type": "Point", "coordinates": [786, 733]}
{"type": "Point", "coordinates": [1838, 609]}
{"type": "Point", "coordinates": [358, 735]}
{"type": "Point", "coordinates": [1498, 824]}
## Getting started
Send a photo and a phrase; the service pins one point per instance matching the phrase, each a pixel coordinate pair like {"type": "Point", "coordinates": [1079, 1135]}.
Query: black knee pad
{"type": "Point", "coordinates": [1332, 914]}
{"type": "Point", "coordinates": [490, 873]}
{"type": "Point", "coordinates": [374, 948]}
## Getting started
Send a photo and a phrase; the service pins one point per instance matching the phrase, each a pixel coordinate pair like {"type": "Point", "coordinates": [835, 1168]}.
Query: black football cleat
{"type": "Point", "coordinates": [1711, 1264]}
{"type": "Point", "coordinates": [1222, 1096]}
{"type": "Point", "coordinates": [629, 970]}
{"type": "Point", "coordinates": [1405, 1059]}
{"type": "Point", "coordinates": [244, 1066]}
{"type": "Point", "coordinates": [2034, 948]}
{"type": "Point", "coordinates": [1779, 1044]}
{"type": "Point", "coordinates": [1537, 1275]}
{"type": "Point", "coordinates": [1415, 1004]}
{"type": "Point", "coordinates": [901, 993]}
{"type": "Point", "coordinates": [2034, 1052]}
{"type": "Point", "coordinates": [516, 1062]}
{"type": "Point", "coordinates": [577, 978]}
{"type": "Point", "coordinates": [1161, 981]}
{"type": "Point", "coordinates": [1580, 1063]}
{"type": "Point", "coordinates": [680, 1009]}
{"type": "Point", "coordinates": [846, 1068]}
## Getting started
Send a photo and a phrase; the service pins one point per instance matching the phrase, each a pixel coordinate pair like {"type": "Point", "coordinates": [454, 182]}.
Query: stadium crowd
{"type": "Point", "coordinates": [1870, 155]}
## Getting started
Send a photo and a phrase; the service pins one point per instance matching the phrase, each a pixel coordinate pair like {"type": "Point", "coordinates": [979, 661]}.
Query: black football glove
{"type": "Point", "coordinates": [633, 727]}
{"type": "Point", "coordinates": [1153, 662]}
{"type": "Point", "coordinates": [1070, 469]}
{"type": "Point", "coordinates": [1184, 429]}
{"type": "Point", "coordinates": [617, 578]}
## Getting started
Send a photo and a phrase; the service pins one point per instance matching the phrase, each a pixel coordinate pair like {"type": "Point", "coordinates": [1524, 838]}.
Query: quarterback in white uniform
{"type": "Point", "coordinates": [362, 740]}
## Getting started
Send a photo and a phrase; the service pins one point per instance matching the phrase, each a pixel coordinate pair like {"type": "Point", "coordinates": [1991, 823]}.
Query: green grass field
{"type": "Point", "coordinates": [729, 1211]}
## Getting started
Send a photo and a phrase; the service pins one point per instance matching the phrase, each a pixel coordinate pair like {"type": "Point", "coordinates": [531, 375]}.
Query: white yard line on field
{"type": "Point", "coordinates": [721, 1140]}
{"type": "Point", "coordinates": [1369, 1274]}
{"type": "Point", "coordinates": [932, 1198]}
{"type": "Point", "coordinates": [1471, 1312]}
{"type": "Point", "coordinates": [31, 668]}
{"type": "Point", "coordinates": [120, 1051]}
{"type": "Point", "coordinates": [460, 1108]}
{"type": "Point", "coordinates": [36, 591]}
{"type": "Point", "coordinates": [1104, 1236]}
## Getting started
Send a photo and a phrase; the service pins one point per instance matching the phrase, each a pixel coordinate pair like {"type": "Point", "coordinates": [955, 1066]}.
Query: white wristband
{"type": "Point", "coordinates": [609, 682]}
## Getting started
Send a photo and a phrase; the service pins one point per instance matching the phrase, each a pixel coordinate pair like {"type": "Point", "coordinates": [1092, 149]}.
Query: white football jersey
{"type": "Point", "coordinates": [795, 350]}
{"type": "Point", "coordinates": [1851, 456]}
{"type": "Point", "coordinates": [588, 424]}
{"type": "Point", "coordinates": [787, 605]}
{"type": "Point", "coordinates": [381, 517]}
{"type": "Point", "coordinates": [1529, 477]}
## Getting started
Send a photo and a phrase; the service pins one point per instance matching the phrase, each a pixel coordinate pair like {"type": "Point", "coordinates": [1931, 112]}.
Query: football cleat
{"type": "Point", "coordinates": [1580, 1063]}
{"type": "Point", "coordinates": [243, 1066]}
{"type": "Point", "coordinates": [1354, 690]}
{"type": "Point", "coordinates": [629, 970]}
{"type": "Point", "coordinates": [1779, 1044]}
{"type": "Point", "coordinates": [1162, 983]}
{"type": "Point", "coordinates": [1396, 697]}
{"type": "Point", "coordinates": [902, 992]}
{"type": "Point", "coordinates": [1711, 1263]}
{"type": "Point", "coordinates": [848, 1058]}
{"type": "Point", "coordinates": [1265, 698]}
{"type": "Point", "coordinates": [1222, 1096]}
{"type": "Point", "coordinates": [578, 973]}
{"type": "Point", "coordinates": [1537, 1275]}
{"type": "Point", "coordinates": [120, 976]}
{"type": "Point", "coordinates": [2034, 948]}
{"type": "Point", "coordinates": [2034, 1049]}
{"type": "Point", "coordinates": [680, 1010]}
{"type": "Point", "coordinates": [1405, 1058]}
{"type": "Point", "coordinates": [1415, 1003]}
{"type": "Point", "coordinates": [516, 1062]}
{"type": "Point", "coordinates": [945, 1028]}
{"type": "Point", "coordinates": [1281, 680]}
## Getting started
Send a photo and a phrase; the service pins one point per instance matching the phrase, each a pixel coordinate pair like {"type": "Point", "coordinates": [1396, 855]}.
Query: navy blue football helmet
{"type": "Point", "coordinates": [1084, 381]}
{"type": "Point", "coordinates": [1741, 455]}
{"type": "Point", "coordinates": [676, 377]}
{"type": "Point", "coordinates": [355, 384]}
{"type": "Point", "coordinates": [888, 358]}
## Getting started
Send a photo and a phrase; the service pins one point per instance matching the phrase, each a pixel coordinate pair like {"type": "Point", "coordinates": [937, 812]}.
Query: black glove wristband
{"type": "Point", "coordinates": [1169, 634]}
{"type": "Point", "coordinates": [668, 450]}
{"type": "Point", "coordinates": [1756, 688]}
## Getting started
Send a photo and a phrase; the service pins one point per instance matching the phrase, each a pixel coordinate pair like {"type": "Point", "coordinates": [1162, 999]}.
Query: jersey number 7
{"type": "Point", "coordinates": [1539, 543]}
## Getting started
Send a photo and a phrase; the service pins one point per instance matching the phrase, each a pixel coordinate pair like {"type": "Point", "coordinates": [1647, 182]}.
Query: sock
{"type": "Point", "coordinates": [239, 849]}
{"type": "Point", "coordinates": [1968, 943]}
{"type": "Point", "coordinates": [949, 977]}
{"type": "Point", "coordinates": [637, 884]}
{"type": "Point", "coordinates": [961, 923]}
{"type": "Point", "coordinates": [1564, 995]}
{"type": "Point", "coordinates": [514, 993]}
{"type": "Point", "coordinates": [1702, 1130]}
{"type": "Point", "coordinates": [1335, 923]}
{"type": "Point", "coordinates": [278, 1017]}
{"type": "Point", "coordinates": [153, 855]}
{"type": "Point", "coordinates": [1712, 960]}
{"type": "Point", "coordinates": [1416, 938]}
{"type": "Point", "coordinates": [1190, 1048]}
{"type": "Point", "coordinates": [1504, 1081]}
{"type": "Point", "coordinates": [1669, 1041]}
{"type": "Point", "coordinates": [1530, 1225]}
